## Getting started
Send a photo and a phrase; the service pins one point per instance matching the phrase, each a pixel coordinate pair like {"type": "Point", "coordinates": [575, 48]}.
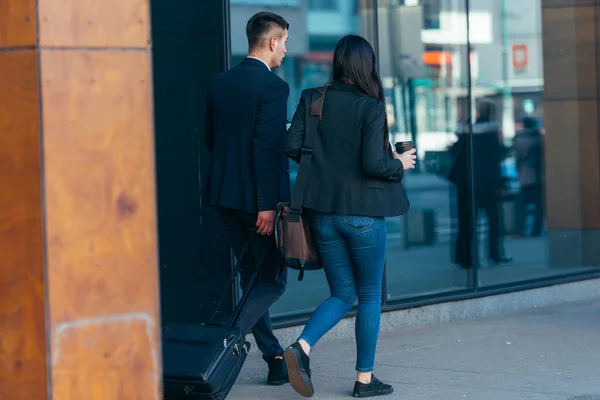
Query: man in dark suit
{"type": "Point", "coordinates": [248, 173]}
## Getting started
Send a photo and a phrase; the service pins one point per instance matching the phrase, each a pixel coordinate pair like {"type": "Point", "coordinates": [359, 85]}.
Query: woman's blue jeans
{"type": "Point", "coordinates": [352, 249]}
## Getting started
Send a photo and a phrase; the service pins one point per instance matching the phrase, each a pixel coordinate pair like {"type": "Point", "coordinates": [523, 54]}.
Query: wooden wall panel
{"type": "Point", "coordinates": [89, 365]}
{"type": "Point", "coordinates": [101, 223]}
{"type": "Point", "coordinates": [568, 3]}
{"type": "Point", "coordinates": [22, 320]}
{"type": "Point", "coordinates": [94, 23]}
{"type": "Point", "coordinates": [573, 167]}
{"type": "Point", "coordinates": [17, 23]}
{"type": "Point", "coordinates": [569, 46]}
{"type": "Point", "coordinates": [572, 88]}
{"type": "Point", "coordinates": [79, 303]}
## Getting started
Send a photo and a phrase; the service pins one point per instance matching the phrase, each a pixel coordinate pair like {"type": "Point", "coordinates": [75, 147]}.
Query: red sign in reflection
{"type": "Point", "coordinates": [520, 56]}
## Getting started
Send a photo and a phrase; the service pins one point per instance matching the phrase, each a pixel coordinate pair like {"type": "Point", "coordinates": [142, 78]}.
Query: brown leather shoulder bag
{"type": "Point", "coordinates": [292, 229]}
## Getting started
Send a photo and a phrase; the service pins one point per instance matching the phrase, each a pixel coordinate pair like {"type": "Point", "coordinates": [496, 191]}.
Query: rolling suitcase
{"type": "Point", "coordinates": [203, 361]}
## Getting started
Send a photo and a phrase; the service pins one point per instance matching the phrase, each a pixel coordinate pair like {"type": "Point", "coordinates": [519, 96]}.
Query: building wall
{"type": "Point", "coordinates": [189, 49]}
{"type": "Point", "coordinates": [425, 65]}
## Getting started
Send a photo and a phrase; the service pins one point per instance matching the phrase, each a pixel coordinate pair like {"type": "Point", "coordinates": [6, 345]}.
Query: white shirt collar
{"type": "Point", "coordinates": [255, 58]}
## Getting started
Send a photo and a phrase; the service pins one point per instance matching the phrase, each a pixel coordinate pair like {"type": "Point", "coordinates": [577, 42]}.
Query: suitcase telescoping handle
{"type": "Point", "coordinates": [238, 308]}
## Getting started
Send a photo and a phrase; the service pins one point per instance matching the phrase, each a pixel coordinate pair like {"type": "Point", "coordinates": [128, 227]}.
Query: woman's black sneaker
{"type": "Point", "coordinates": [375, 388]}
{"type": "Point", "coordinates": [298, 365]}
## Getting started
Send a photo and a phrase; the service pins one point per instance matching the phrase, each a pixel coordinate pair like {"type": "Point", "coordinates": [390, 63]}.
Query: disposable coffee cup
{"type": "Point", "coordinates": [402, 147]}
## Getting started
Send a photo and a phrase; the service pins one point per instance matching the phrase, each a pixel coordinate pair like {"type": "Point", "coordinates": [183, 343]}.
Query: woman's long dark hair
{"type": "Point", "coordinates": [354, 63]}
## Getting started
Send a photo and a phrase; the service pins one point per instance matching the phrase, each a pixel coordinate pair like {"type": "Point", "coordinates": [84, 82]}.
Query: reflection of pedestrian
{"type": "Point", "coordinates": [528, 151]}
{"type": "Point", "coordinates": [487, 184]}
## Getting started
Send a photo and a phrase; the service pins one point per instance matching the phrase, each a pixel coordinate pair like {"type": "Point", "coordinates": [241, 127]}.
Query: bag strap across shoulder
{"type": "Point", "coordinates": [312, 115]}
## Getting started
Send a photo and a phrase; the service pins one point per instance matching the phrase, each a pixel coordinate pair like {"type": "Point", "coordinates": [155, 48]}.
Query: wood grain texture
{"type": "Point", "coordinates": [110, 370]}
{"type": "Point", "coordinates": [94, 23]}
{"type": "Point", "coordinates": [22, 333]}
{"type": "Point", "coordinates": [101, 224]}
{"type": "Point", "coordinates": [572, 164]}
{"type": "Point", "coordinates": [568, 3]}
{"type": "Point", "coordinates": [570, 50]}
{"type": "Point", "coordinates": [17, 23]}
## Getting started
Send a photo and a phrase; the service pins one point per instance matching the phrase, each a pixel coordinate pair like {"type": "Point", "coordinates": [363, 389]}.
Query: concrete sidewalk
{"type": "Point", "coordinates": [545, 354]}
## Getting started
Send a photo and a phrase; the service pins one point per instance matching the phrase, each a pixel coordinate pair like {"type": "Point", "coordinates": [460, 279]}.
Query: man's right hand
{"type": "Point", "coordinates": [265, 223]}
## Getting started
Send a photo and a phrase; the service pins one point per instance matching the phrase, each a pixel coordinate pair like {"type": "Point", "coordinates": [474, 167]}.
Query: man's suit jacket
{"type": "Point", "coordinates": [245, 128]}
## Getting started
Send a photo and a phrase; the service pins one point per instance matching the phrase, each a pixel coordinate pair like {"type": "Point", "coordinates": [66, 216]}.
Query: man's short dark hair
{"type": "Point", "coordinates": [260, 25]}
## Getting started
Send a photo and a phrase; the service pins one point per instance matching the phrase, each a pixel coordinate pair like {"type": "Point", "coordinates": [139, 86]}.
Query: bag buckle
{"type": "Point", "coordinates": [294, 215]}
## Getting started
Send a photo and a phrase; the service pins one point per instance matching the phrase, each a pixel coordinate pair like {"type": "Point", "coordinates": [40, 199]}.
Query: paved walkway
{"type": "Point", "coordinates": [544, 354]}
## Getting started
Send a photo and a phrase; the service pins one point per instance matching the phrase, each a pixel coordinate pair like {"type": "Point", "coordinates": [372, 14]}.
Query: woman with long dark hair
{"type": "Point", "coordinates": [354, 182]}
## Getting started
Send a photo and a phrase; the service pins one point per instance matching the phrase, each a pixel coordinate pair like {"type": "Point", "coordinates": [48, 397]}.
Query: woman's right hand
{"type": "Point", "coordinates": [408, 158]}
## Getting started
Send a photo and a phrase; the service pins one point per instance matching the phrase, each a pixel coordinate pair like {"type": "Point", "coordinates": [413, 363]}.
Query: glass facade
{"type": "Point", "coordinates": [502, 108]}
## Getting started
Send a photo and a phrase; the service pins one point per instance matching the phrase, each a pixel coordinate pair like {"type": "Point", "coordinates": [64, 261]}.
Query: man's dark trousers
{"type": "Point", "coordinates": [270, 282]}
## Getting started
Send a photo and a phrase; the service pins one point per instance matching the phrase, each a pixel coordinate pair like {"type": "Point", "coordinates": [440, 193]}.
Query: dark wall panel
{"type": "Point", "coordinates": [189, 50]}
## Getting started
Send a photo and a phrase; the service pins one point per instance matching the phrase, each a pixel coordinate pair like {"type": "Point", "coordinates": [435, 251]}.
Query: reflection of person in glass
{"type": "Point", "coordinates": [528, 151]}
{"type": "Point", "coordinates": [488, 183]}
{"type": "Point", "coordinates": [353, 183]}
